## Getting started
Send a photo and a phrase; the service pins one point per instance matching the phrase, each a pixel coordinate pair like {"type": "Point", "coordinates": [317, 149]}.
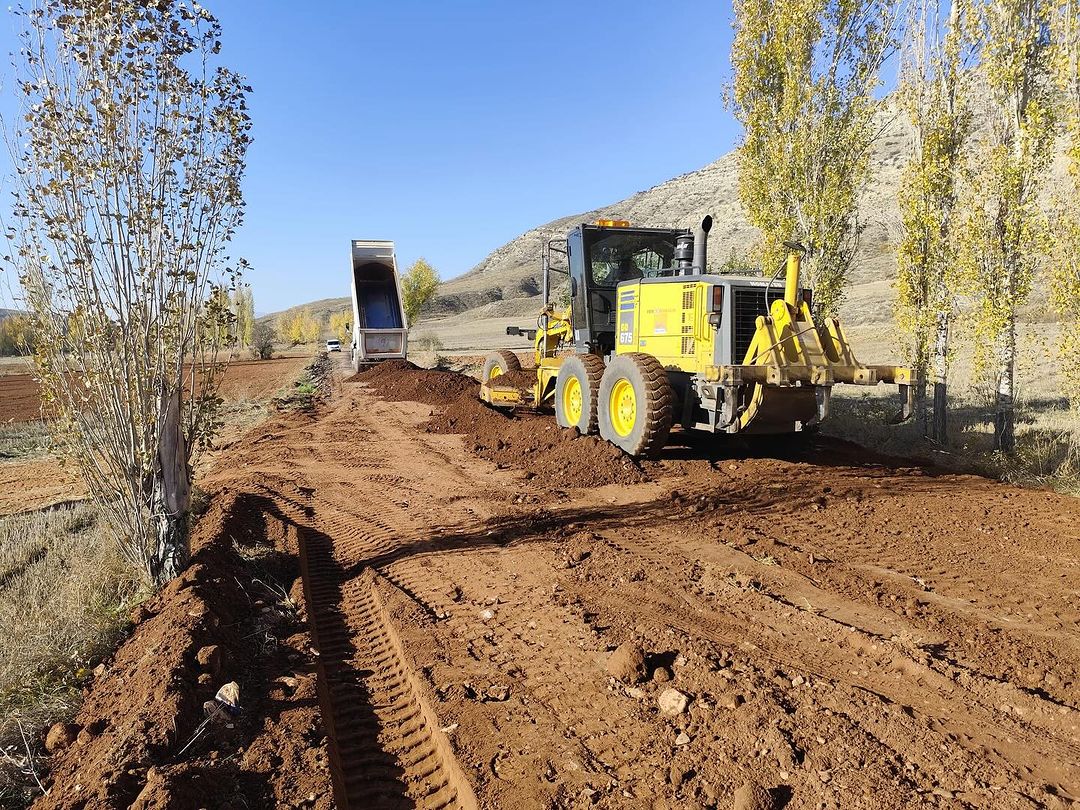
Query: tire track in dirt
{"type": "Point", "coordinates": [767, 616]}
{"type": "Point", "coordinates": [535, 645]}
{"type": "Point", "coordinates": [385, 743]}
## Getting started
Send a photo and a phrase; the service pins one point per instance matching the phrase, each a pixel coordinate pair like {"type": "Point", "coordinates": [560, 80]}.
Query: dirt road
{"type": "Point", "coordinates": [826, 629]}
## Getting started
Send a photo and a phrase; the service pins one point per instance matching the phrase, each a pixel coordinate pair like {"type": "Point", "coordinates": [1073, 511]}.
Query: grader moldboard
{"type": "Point", "coordinates": [650, 340]}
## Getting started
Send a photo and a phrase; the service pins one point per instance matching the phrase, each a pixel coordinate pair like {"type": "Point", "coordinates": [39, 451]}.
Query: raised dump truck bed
{"type": "Point", "coordinates": [379, 329]}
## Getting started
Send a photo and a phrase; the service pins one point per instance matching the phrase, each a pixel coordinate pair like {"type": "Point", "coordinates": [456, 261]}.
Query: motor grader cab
{"type": "Point", "coordinates": [651, 340]}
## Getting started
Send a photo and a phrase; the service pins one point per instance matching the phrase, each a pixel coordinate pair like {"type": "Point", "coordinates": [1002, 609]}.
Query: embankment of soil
{"type": "Point", "coordinates": [236, 614]}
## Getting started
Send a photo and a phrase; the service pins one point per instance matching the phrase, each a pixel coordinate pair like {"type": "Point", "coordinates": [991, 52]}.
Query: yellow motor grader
{"type": "Point", "coordinates": [650, 340]}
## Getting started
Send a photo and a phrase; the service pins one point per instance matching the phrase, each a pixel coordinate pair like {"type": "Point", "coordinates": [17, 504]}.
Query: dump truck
{"type": "Point", "coordinates": [379, 330]}
{"type": "Point", "coordinates": [650, 340]}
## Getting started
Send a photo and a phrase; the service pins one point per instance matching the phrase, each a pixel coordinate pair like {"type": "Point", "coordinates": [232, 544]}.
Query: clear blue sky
{"type": "Point", "coordinates": [452, 127]}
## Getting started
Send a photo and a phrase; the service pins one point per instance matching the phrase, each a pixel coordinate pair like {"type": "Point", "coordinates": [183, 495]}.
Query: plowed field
{"type": "Point", "coordinates": [819, 629]}
{"type": "Point", "coordinates": [20, 397]}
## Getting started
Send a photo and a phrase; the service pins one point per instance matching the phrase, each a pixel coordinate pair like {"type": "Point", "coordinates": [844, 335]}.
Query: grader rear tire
{"type": "Point", "coordinates": [499, 363]}
{"type": "Point", "coordinates": [577, 391]}
{"type": "Point", "coordinates": [636, 404]}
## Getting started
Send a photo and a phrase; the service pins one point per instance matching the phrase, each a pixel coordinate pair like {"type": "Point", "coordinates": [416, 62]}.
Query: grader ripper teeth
{"type": "Point", "coordinates": [651, 340]}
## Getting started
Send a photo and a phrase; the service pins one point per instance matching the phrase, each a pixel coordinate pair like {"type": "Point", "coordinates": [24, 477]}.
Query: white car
{"type": "Point", "coordinates": [333, 345]}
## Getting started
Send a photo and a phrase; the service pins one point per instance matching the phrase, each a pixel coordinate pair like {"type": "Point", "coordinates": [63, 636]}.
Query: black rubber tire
{"type": "Point", "coordinates": [505, 360]}
{"type": "Point", "coordinates": [655, 404]}
{"type": "Point", "coordinates": [588, 369]}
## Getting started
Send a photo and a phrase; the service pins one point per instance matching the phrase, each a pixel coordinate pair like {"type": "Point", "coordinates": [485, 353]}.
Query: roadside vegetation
{"type": "Point", "coordinates": [65, 596]}
{"type": "Point", "coordinates": [418, 287]}
{"type": "Point", "coordinates": [1046, 454]}
{"type": "Point", "coordinates": [20, 440]}
{"type": "Point", "coordinates": [121, 261]}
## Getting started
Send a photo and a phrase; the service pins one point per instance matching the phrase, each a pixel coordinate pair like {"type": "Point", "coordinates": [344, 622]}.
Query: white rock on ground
{"type": "Point", "coordinates": [673, 702]}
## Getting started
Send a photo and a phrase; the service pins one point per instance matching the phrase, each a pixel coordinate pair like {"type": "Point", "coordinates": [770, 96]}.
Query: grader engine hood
{"type": "Point", "coordinates": [756, 360]}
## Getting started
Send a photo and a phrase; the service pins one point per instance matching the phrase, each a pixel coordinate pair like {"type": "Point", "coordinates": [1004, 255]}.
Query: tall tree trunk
{"type": "Point", "coordinates": [941, 370]}
{"type": "Point", "coordinates": [1005, 418]}
{"type": "Point", "coordinates": [172, 548]}
{"type": "Point", "coordinates": [172, 497]}
{"type": "Point", "coordinates": [921, 412]}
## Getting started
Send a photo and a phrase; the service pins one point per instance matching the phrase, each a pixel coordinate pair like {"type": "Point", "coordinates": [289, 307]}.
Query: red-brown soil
{"type": "Point", "coordinates": [236, 614]}
{"type": "Point", "coordinates": [841, 630]}
{"type": "Point", "coordinates": [39, 482]}
{"type": "Point", "coordinates": [551, 457]}
{"type": "Point", "coordinates": [20, 396]}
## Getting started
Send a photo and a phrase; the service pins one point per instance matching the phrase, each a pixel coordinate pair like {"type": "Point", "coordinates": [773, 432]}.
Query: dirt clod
{"type": "Point", "coordinates": [210, 659]}
{"type": "Point", "coordinates": [752, 796]}
{"type": "Point", "coordinates": [60, 736]}
{"type": "Point", "coordinates": [627, 663]}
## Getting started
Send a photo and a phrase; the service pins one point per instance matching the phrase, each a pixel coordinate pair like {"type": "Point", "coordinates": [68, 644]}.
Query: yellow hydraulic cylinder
{"type": "Point", "coordinates": [791, 287]}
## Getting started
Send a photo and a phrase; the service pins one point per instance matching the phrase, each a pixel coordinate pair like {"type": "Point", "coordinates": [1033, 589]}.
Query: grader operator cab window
{"type": "Point", "coordinates": [602, 256]}
{"type": "Point", "coordinates": [615, 257]}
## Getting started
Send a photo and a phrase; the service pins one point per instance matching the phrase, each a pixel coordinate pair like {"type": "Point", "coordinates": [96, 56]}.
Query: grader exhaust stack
{"type": "Point", "coordinates": [701, 246]}
{"type": "Point", "coordinates": [651, 340]}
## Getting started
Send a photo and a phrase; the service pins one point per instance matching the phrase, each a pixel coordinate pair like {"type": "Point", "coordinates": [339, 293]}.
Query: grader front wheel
{"type": "Point", "coordinates": [577, 391]}
{"type": "Point", "coordinates": [636, 404]}
{"type": "Point", "coordinates": [498, 363]}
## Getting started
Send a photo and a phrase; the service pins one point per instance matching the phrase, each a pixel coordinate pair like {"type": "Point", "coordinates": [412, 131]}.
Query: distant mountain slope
{"type": "Point", "coordinates": [507, 282]}
{"type": "Point", "coordinates": [513, 270]}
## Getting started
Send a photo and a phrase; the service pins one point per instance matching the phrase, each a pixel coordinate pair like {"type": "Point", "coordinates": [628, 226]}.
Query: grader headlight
{"type": "Point", "coordinates": [717, 310]}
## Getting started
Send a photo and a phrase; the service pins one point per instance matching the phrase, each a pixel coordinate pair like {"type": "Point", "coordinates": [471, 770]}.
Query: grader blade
{"type": "Point", "coordinates": [793, 363]}
{"type": "Point", "coordinates": [907, 405]}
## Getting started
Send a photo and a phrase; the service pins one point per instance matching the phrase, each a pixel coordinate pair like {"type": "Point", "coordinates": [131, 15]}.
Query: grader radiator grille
{"type": "Point", "coordinates": [749, 303]}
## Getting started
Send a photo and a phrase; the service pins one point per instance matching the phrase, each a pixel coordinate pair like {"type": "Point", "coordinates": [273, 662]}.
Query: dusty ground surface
{"type": "Point", "coordinates": [35, 483]}
{"type": "Point", "coordinates": [20, 399]}
{"type": "Point", "coordinates": [819, 629]}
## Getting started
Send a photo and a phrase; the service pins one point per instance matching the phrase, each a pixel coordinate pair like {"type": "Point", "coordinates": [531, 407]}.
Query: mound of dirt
{"type": "Point", "coordinates": [523, 379]}
{"type": "Point", "coordinates": [530, 442]}
{"type": "Point", "coordinates": [222, 620]}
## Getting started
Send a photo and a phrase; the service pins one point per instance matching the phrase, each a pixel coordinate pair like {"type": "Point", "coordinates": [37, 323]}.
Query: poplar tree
{"type": "Point", "coordinates": [299, 327]}
{"type": "Point", "coordinates": [935, 85]}
{"type": "Point", "coordinates": [1007, 231]}
{"type": "Point", "coordinates": [129, 154]}
{"type": "Point", "coordinates": [1065, 278]}
{"type": "Point", "coordinates": [418, 285]}
{"type": "Point", "coordinates": [244, 308]}
{"type": "Point", "coordinates": [341, 325]}
{"type": "Point", "coordinates": [804, 74]}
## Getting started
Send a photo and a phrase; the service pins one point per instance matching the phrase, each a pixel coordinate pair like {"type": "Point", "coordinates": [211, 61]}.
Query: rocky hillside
{"type": "Point", "coordinates": [511, 272]}
{"type": "Point", "coordinates": [507, 282]}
